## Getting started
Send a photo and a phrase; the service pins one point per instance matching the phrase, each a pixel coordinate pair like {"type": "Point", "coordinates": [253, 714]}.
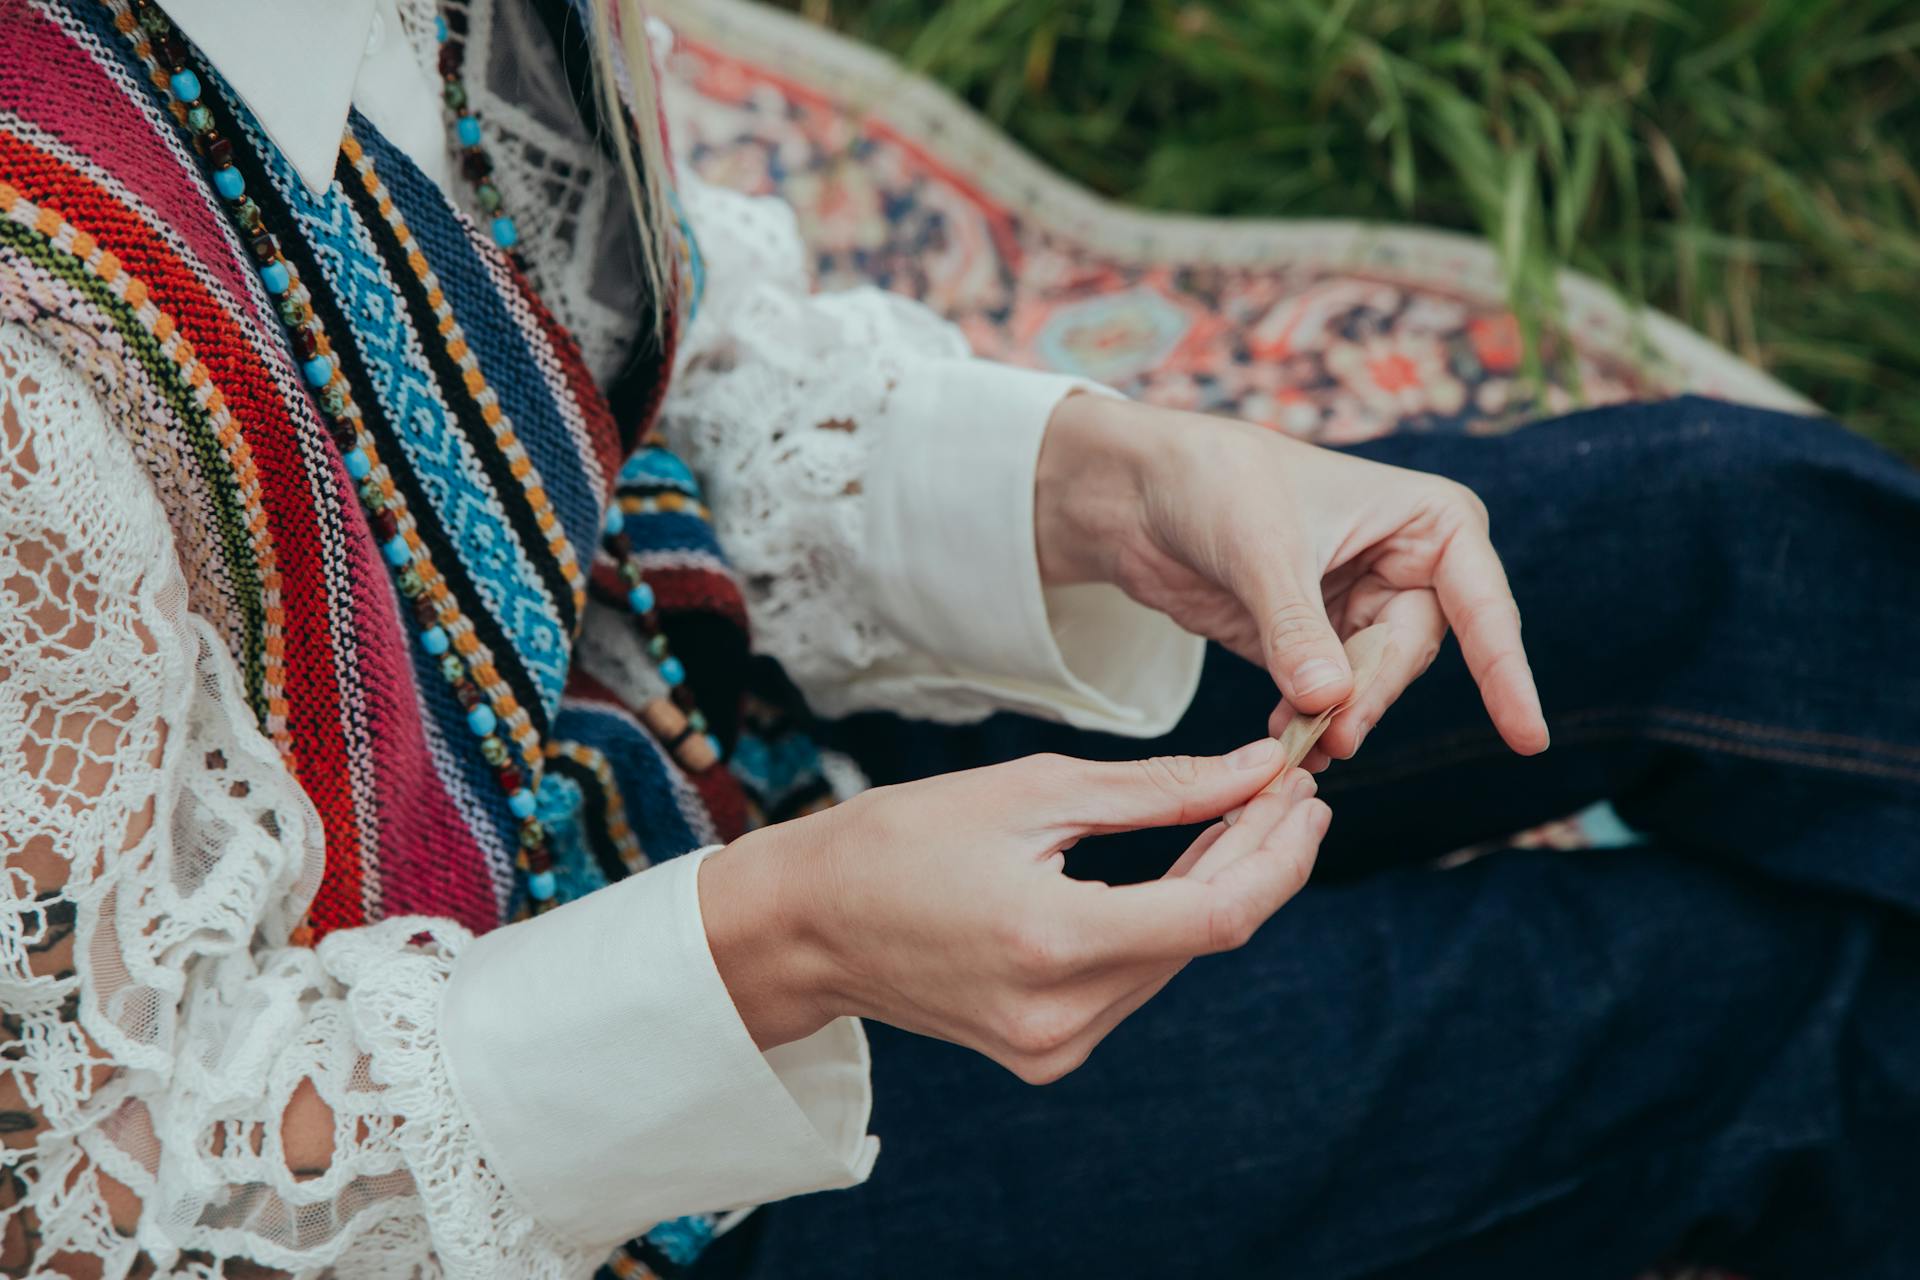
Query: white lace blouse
{"type": "Point", "coordinates": [158, 1030]}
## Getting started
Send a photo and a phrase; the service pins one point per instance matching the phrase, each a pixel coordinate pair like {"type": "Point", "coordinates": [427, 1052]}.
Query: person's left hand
{"type": "Point", "coordinates": [1279, 550]}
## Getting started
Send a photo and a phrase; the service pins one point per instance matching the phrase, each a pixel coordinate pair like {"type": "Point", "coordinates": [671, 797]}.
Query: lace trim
{"type": "Point", "coordinates": [158, 1030]}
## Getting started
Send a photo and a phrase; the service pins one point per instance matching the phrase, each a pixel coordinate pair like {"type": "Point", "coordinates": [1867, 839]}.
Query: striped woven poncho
{"type": "Point", "coordinates": [115, 251]}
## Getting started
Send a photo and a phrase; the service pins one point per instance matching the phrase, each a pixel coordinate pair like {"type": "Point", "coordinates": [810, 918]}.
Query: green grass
{"type": "Point", "coordinates": [1746, 165]}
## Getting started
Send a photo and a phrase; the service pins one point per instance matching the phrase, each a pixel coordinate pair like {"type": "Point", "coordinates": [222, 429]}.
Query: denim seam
{"type": "Point", "coordinates": [1751, 728]}
{"type": "Point", "coordinates": [1733, 737]}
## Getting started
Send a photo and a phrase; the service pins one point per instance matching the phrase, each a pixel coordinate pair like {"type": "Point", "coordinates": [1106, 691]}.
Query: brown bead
{"type": "Point", "coordinates": [664, 720]}
{"type": "Point", "coordinates": [425, 610]}
{"type": "Point", "coordinates": [538, 860]}
{"type": "Point", "coordinates": [385, 527]}
{"type": "Point", "coordinates": [475, 165]}
{"type": "Point", "coordinates": [345, 432]}
{"type": "Point", "coordinates": [265, 247]}
{"type": "Point", "coordinates": [172, 53]}
{"type": "Point", "coordinates": [697, 753]}
{"type": "Point", "coordinates": [468, 695]}
{"type": "Point", "coordinates": [305, 343]}
{"type": "Point", "coordinates": [220, 152]}
{"type": "Point", "coordinates": [683, 698]}
{"type": "Point", "coordinates": [509, 779]}
{"type": "Point", "coordinates": [450, 55]}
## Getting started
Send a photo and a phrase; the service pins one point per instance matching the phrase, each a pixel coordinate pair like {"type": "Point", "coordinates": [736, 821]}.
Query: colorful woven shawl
{"type": "Point", "coordinates": [114, 250]}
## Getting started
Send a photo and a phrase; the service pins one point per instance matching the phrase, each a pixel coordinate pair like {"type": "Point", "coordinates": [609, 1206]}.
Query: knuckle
{"type": "Point", "coordinates": [1171, 774]}
{"type": "Point", "coordinates": [1229, 926]}
{"type": "Point", "coordinates": [1036, 952]}
{"type": "Point", "coordinates": [1293, 625]}
{"type": "Point", "coordinates": [1039, 1029]}
{"type": "Point", "coordinates": [1053, 1067]}
{"type": "Point", "coordinates": [1469, 502]}
{"type": "Point", "coordinates": [1491, 611]}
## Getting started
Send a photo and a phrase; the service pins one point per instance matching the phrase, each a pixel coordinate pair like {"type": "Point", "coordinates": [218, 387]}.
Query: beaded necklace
{"type": "Point", "coordinates": [493, 714]}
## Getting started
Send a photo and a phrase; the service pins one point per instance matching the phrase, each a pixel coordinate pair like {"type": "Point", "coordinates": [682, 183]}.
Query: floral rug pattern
{"type": "Point", "coordinates": [1330, 331]}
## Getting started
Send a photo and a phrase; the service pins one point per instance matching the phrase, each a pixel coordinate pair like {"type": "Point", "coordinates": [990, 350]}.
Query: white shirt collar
{"type": "Point", "coordinates": [300, 65]}
{"type": "Point", "coordinates": [293, 62]}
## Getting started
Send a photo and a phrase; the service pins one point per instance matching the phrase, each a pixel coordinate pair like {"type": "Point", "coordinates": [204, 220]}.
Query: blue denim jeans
{"type": "Point", "coordinates": [1702, 1048]}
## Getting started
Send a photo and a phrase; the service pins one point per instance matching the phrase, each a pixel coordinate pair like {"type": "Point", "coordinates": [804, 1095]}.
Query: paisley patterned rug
{"type": "Point", "coordinates": [1333, 331]}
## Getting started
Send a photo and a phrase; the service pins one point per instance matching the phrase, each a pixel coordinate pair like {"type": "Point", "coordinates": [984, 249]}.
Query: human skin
{"type": "Point", "coordinates": [941, 906]}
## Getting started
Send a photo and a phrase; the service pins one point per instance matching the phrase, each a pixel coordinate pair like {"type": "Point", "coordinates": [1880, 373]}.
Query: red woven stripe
{"type": "Point", "coordinates": [303, 546]}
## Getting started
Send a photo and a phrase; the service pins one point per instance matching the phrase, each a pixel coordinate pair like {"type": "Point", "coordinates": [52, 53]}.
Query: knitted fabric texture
{"type": "Point", "coordinates": [115, 252]}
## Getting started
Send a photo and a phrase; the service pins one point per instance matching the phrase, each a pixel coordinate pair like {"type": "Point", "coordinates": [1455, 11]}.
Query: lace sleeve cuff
{"type": "Point", "coordinates": [614, 1086]}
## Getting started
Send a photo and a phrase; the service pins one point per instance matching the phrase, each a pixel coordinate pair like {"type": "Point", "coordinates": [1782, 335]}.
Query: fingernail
{"type": "Point", "coordinates": [1317, 674]}
{"type": "Point", "coordinates": [1232, 815]}
{"type": "Point", "coordinates": [1255, 755]}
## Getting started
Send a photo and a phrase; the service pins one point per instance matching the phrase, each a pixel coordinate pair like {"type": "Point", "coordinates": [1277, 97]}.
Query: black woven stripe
{"type": "Point", "coordinates": [593, 813]}
{"type": "Point", "coordinates": [508, 491]}
{"type": "Point", "coordinates": [280, 220]}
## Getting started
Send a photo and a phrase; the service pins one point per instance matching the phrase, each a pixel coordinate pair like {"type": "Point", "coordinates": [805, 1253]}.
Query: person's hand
{"type": "Point", "coordinates": [941, 906]}
{"type": "Point", "coordinates": [1279, 550]}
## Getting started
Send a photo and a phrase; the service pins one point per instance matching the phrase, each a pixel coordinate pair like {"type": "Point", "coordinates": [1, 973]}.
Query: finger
{"type": "Point", "coordinates": [1298, 642]}
{"type": "Point", "coordinates": [1473, 592]}
{"type": "Point", "coordinates": [1197, 850]}
{"type": "Point", "coordinates": [1316, 761]}
{"type": "Point", "coordinates": [1292, 780]}
{"type": "Point", "coordinates": [1267, 877]}
{"type": "Point", "coordinates": [1088, 796]}
{"type": "Point", "coordinates": [1176, 919]}
{"type": "Point", "coordinates": [1418, 626]}
{"type": "Point", "coordinates": [1257, 822]}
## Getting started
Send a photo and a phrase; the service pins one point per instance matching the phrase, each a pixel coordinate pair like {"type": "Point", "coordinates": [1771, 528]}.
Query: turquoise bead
{"type": "Point", "coordinates": [359, 465]}
{"type": "Point", "coordinates": [185, 85]}
{"type": "Point", "coordinates": [276, 277]}
{"type": "Point", "coordinates": [440, 29]}
{"type": "Point", "coordinates": [468, 128]}
{"type": "Point", "coordinates": [229, 183]}
{"type": "Point", "coordinates": [672, 672]}
{"type": "Point", "coordinates": [641, 598]}
{"type": "Point", "coordinates": [616, 520]}
{"type": "Point", "coordinates": [434, 640]}
{"type": "Point", "coordinates": [657, 466]}
{"type": "Point", "coordinates": [199, 119]}
{"type": "Point", "coordinates": [318, 371]}
{"type": "Point", "coordinates": [397, 551]}
{"type": "Point", "coordinates": [521, 803]}
{"type": "Point", "coordinates": [543, 886]}
{"type": "Point", "coordinates": [505, 234]}
{"type": "Point", "coordinates": [715, 744]}
{"type": "Point", "coordinates": [482, 720]}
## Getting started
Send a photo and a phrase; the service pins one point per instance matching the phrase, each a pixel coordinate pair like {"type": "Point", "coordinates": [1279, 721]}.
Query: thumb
{"type": "Point", "coordinates": [1302, 651]}
{"type": "Point", "coordinates": [1163, 791]}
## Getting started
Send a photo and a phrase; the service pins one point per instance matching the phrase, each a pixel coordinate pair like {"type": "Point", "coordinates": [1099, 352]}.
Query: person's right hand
{"type": "Point", "coordinates": [941, 906]}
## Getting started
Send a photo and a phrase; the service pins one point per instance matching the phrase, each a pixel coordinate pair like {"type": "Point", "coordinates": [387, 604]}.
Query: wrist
{"type": "Point", "coordinates": [1095, 459]}
{"type": "Point", "coordinates": [763, 944]}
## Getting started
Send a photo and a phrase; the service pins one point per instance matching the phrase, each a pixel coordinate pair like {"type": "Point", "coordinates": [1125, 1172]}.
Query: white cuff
{"type": "Point", "coordinates": [950, 538]}
{"type": "Point", "coordinates": [612, 1083]}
